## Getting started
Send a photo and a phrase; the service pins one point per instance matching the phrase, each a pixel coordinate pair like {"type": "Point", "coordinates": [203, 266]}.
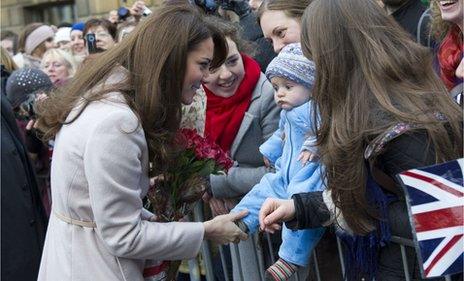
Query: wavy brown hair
{"type": "Point", "coordinates": [234, 32]}
{"type": "Point", "coordinates": [438, 27]}
{"type": "Point", "coordinates": [291, 8]}
{"type": "Point", "coordinates": [369, 76]}
{"type": "Point", "coordinates": [155, 57]}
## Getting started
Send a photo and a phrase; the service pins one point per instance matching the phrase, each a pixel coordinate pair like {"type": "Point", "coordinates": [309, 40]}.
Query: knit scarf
{"type": "Point", "coordinates": [361, 251]}
{"type": "Point", "coordinates": [224, 115]}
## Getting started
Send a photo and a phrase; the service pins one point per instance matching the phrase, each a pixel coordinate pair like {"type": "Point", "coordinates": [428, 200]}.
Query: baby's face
{"type": "Point", "coordinates": [289, 94]}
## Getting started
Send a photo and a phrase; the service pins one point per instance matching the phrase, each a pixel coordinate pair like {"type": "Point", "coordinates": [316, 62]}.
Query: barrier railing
{"type": "Point", "coordinates": [194, 265]}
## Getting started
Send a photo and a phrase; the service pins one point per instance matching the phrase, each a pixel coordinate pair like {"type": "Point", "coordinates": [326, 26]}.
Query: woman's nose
{"type": "Point", "coordinates": [224, 73]}
{"type": "Point", "coordinates": [278, 45]}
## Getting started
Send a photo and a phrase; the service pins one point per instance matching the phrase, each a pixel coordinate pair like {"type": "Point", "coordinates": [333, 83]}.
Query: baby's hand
{"type": "Point", "coordinates": [267, 163]}
{"type": "Point", "coordinates": [307, 156]}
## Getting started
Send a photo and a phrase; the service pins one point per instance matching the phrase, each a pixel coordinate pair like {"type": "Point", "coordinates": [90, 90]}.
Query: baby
{"type": "Point", "coordinates": [292, 76]}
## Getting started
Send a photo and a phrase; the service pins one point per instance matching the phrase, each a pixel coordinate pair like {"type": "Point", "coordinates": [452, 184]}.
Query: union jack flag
{"type": "Point", "coordinates": [435, 198]}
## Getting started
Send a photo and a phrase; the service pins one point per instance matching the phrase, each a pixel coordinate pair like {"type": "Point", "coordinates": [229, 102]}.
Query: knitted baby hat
{"type": "Point", "coordinates": [291, 64]}
{"type": "Point", "coordinates": [23, 82]}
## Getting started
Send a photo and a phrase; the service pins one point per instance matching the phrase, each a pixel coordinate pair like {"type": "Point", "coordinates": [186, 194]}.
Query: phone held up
{"type": "Point", "coordinates": [91, 42]}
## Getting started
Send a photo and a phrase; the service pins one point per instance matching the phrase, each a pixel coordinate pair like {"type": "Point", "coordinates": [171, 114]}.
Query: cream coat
{"type": "Point", "coordinates": [99, 175]}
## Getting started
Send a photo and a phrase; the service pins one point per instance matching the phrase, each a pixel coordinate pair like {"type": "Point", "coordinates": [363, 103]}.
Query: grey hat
{"type": "Point", "coordinates": [291, 64]}
{"type": "Point", "coordinates": [24, 82]}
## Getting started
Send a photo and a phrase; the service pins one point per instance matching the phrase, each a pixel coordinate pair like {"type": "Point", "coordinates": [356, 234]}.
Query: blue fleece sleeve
{"type": "Point", "coordinates": [272, 148]}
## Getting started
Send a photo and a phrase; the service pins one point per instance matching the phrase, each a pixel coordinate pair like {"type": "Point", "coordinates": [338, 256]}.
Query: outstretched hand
{"type": "Point", "coordinates": [273, 212]}
{"type": "Point", "coordinates": [223, 230]}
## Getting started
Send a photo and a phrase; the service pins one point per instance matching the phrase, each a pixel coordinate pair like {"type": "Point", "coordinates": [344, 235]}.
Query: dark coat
{"type": "Point", "coordinates": [408, 16]}
{"type": "Point", "coordinates": [408, 151]}
{"type": "Point", "coordinates": [252, 32]}
{"type": "Point", "coordinates": [23, 220]}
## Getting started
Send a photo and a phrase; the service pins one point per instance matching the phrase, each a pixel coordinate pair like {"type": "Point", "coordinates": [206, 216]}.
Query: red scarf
{"type": "Point", "coordinates": [224, 115]}
{"type": "Point", "coordinates": [450, 56]}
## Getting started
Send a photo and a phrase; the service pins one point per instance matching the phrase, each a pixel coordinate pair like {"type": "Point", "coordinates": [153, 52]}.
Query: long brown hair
{"type": "Point", "coordinates": [438, 27]}
{"type": "Point", "coordinates": [369, 76]}
{"type": "Point", "coordinates": [234, 32]}
{"type": "Point", "coordinates": [155, 55]}
{"type": "Point", "coordinates": [291, 8]}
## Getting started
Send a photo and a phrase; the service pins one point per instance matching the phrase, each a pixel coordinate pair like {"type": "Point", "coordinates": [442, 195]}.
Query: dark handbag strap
{"type": "Point", "coordinates": [384, 180]}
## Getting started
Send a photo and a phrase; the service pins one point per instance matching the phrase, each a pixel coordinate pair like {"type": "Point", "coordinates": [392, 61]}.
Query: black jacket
{"type": "Point", "coordinates": [408, 151]}
{"type": "Point", "coordinates": [403, 153]}
{"type": "Point", "coordinates": [23, 220]}
{"type": "Point", "coordinates": [252, 32]}
{"type": "Point", "coordinates": [408, 16]}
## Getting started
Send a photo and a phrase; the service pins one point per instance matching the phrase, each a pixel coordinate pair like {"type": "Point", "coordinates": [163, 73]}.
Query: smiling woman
{"type": "Point", "coordinates": [448, 22]}
{"type": "Point", "coordinates": [280, 21]}
{"type": "Point", "coordinates": [113, 126]}
{"type": "Point", "coordinates": [240, 116]}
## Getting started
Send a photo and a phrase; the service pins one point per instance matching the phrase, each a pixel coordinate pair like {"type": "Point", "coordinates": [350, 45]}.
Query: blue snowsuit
{"type": "Point", "coordinates": [291, 177]}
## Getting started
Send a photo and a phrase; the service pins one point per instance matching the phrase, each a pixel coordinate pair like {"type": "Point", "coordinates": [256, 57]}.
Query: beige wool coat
{"type": "Point", "coordinates": [98, 229]}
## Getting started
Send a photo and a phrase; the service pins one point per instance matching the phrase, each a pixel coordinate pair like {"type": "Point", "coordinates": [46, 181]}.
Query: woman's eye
{"type": "Point", "coordinates": [281, 33]}
{"type": "Point", "coordinates": [232, 62]}
{"type": "Point", "coordinates": [288, 87]}
{"type": "Point", "coordinates": [204, 65]}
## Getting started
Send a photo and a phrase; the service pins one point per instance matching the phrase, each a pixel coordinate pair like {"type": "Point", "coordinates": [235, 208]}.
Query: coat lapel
{"type": "Point", "coordinates": [248, 118]}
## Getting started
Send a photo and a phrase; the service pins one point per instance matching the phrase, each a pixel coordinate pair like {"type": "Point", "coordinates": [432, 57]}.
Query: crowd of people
{"type": "Point", "coordinates": [319, 103]}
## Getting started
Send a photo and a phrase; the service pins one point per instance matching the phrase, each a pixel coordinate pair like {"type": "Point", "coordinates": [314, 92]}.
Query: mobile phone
{"type": "Point", "coordinates": [91, 41]}
{"type": "Point", "coordinates": [146, 12]}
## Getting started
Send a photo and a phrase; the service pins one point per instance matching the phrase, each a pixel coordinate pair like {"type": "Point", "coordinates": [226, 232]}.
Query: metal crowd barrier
{"type": "Point", "coordinates": [194, 264]}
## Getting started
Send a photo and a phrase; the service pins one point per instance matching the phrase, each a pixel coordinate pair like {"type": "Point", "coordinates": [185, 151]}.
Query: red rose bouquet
{"type": "Point", "coordinates": [175, 192]}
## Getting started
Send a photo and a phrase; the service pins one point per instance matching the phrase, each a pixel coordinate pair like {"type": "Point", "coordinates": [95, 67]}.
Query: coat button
{"type": "Point", "coordinates": [32, 222]}
{"type": "Point", "coordinates": [24, 187]}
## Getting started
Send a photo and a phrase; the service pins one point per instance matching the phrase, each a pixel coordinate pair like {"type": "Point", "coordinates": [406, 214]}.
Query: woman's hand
{"type": "Point", "coordinates": [273, 212]}
{"type": "Point", "coordinates": [137, 8]}
{"type": "Point", "coordinates": [223, 230]}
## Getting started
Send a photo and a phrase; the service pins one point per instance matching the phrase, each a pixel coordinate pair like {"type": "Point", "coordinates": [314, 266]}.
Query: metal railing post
{"type": "Point", "coordinates": [340, 254]}
{"type": "Point", "coordinates": [316, 266]}
{"type": "Point", "coordinates": [224, 266]}
{"type": "Point", "coordinates": [271, 249]}
{"type": "Point", "coordinates": [194, 270]}
{"type": "Point", "coordinates": [205, 249]}
{"type": "Point", "coordinates": [405, 263]}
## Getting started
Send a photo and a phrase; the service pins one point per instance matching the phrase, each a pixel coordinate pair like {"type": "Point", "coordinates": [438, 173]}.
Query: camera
{"type": "Point", "coordinates": [123, 13]}
{"type": "Point", "coordinates": [26, 110]}
{"type": "Point", "coordinates": [146, 12]}
{"type": "Point", "coordinates": [91, 42]}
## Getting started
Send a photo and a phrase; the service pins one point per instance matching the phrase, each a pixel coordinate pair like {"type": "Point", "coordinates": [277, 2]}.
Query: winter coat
{"type": "Point", "coordinates": [98, 228]}
{"type": "Point", "coordinates": [286, 143]}
{"type": "Point", "coordinates": [259, 123]}
{"type": "Point", "coordinates": [408, 151]}
{"type": "Point", "coordinates": [23, 220]}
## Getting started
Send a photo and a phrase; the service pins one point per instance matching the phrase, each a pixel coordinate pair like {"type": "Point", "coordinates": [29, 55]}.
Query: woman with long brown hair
{"type": "Point", "coordinates": [371, 81]}
{"type": "Point", "coordinates": [112, 127]}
